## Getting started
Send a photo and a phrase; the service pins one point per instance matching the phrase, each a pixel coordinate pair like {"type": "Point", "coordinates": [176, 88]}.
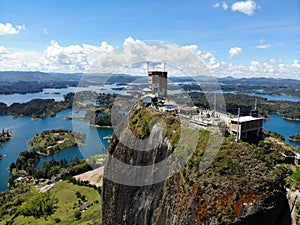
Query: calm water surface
{"type": "Point", "coordinates": [283, 127]}
{"type": "Point", "coordinates": [24, 129]}
{"type": "Point", "coordinates": [277, 97]}
{"type": "Point", "coordinates": [57, 94]}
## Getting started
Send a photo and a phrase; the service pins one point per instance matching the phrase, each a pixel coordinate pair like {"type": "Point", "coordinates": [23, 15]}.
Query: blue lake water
{"type": "Point", "coordinates": [283, 127]}
{"type": "Point", "coordinates": [57, 94]}
{"type": "Point", "coordinates": [277, 97]}
{"type": "Point", "coordinates": [24, 129]}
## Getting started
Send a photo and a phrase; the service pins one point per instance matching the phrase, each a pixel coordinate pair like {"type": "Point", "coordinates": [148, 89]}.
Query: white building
{"type": "Point", "coordinates": [246, 127]}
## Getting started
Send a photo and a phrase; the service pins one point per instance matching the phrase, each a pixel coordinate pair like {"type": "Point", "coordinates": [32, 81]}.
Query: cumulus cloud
{"type": "Point", "coordinates": [247, 7]}
{"type": "Point", "coordinates": [72, 58]}
{"type": "Point", "coordinates": [254, 66]}
{"type": "Point", "coordinates": [3, 51]}
{"type": "Point", "coordinates": [223, 4]}
{"type": "Point", "coordinates": [217, 5]}
{"type": "Point", "coordinates": [16, 60]}
{"type": "Point", "coordinates": [8, 29]}
{"type": "Point", "coordinates": [296, 64]}
{"type": "Point", "coordinates": [234, 52]}
{"type": "Point", "coordinates": [106, 58]}
{"type": "Point", "coordinates": [132, 56]}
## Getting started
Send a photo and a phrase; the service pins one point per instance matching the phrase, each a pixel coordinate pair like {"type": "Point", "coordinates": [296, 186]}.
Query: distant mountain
{"type": "Point", "coordinates": [28, 82]}
{"type": "Point", "coordinates": [17, 76]}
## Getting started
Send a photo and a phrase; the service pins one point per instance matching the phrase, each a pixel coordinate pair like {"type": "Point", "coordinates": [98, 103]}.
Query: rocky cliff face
{"type": "Point", "coordinates": [243, 185]}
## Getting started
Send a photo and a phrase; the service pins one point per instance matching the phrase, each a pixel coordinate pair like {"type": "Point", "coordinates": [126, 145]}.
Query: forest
{"type": "Point", "coordinates": [37, 108]}
{"type": "Point", "coordinates": [27, 161]}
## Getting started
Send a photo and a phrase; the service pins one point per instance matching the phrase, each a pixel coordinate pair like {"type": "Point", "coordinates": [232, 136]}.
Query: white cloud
{"type": "Point", "coordinates": [262, 46]}
{"type": "Point", "coordinates": [234, 52]}
{"type": "Point", "coordinates": [206, 55]}
{"type": "Point", "coordinates": [72, 58]}
{"type": "Point", "coordinates": [255, 63]}
{"type": "Point", "coordinates": [105, 58]}
{"type": "Point", "coordinates": [223, 4]}
{"type": "Point", "coordinates": [3, 51]}
{"type": "Point", "coordinates": [134, 53]}
{"type": "Point", "coordinates": [217, 5]}
{"type": "Point", "coordinates": [56, 58]}
{"type": "Point", "coordinates": [247, 7]}
{"type": "Point", "coordinates": [296, 64]}
{"type": "Point", "coordinates": [8, 29]}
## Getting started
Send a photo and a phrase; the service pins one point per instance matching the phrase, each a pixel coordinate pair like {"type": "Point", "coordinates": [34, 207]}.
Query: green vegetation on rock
{"type": "Point", "coordinates": [140, 124]}
{"type": "Point", "coordinates": [240, 181]}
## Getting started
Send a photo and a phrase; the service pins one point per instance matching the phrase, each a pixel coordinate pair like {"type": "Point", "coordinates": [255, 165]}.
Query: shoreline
{"type": "Point", "coordinates": [294, 140]}
{"type": "Point", "coordinates": [50, 142]}
{"type": "Point", "coordinates": [95, 125]}
{"type": "Point", "coordinates": [287, 118]}
{"type": "Point", "coordinates": [45, 154]}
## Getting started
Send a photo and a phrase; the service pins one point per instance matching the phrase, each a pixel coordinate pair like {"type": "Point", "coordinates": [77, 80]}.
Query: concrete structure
{"type": "Point", "coordinates": [158, 82]}
{"type": "Point", "coordinates": [148, 100]}
{"type": "Point", "coordinates": [188, 110]}
{"type": "Point", "coordinates": [246, 127]}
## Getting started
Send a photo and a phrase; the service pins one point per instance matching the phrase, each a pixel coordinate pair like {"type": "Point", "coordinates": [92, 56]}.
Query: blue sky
{"type": "Point", "coordinates": [256, 31]}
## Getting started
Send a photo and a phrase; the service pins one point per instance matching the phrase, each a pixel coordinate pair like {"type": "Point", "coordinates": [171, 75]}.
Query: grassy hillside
{"type": "Point", "coordinates": [68, 202]}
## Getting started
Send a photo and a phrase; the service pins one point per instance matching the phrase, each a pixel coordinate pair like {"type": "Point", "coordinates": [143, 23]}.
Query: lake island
{"type": "Point", "coordinates": [295, 137]}
{"type": "Point", "coordinates": [51, 141]}
{"type": "Point", "coordinates": [5, 136]}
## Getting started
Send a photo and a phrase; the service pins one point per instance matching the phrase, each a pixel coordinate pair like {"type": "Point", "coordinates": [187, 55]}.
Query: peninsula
{"type": "Point", "coordinates": [49, 142]}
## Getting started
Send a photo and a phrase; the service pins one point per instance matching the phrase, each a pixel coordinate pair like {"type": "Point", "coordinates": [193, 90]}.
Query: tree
{"type": "Point", "coordinates": [63, 163]}
{"type": "Point", "coordinates": [74, 161]}
{"type": "Point", "coordinates": [77, 215]}
{"type": "Point", "coordinates": [12, 166]}
{"type": "Point", "coordinates": [39, 205]}
{"type": "Point", "coordinates": [83, 198]}
{"type": "Point", "coordinates": [78, 194]}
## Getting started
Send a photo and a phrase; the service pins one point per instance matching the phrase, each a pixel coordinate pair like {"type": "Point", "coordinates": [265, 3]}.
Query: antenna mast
{"type": "Point", "coordinates": [238, 127]}
{"type": "Point", "coordinates": [215, 104]}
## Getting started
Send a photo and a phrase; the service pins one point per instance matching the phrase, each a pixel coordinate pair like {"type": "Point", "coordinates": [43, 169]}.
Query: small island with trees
{"type": "Point", "coordinates": [51, 141]}
{"type": "Point", "coordinates": [295, 137]}
{"type": "Point", "coordinates": [5, 135]}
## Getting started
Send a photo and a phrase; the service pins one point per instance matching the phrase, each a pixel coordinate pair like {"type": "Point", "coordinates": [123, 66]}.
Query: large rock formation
{"type": "Point", "coordinates": [243, 185]}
